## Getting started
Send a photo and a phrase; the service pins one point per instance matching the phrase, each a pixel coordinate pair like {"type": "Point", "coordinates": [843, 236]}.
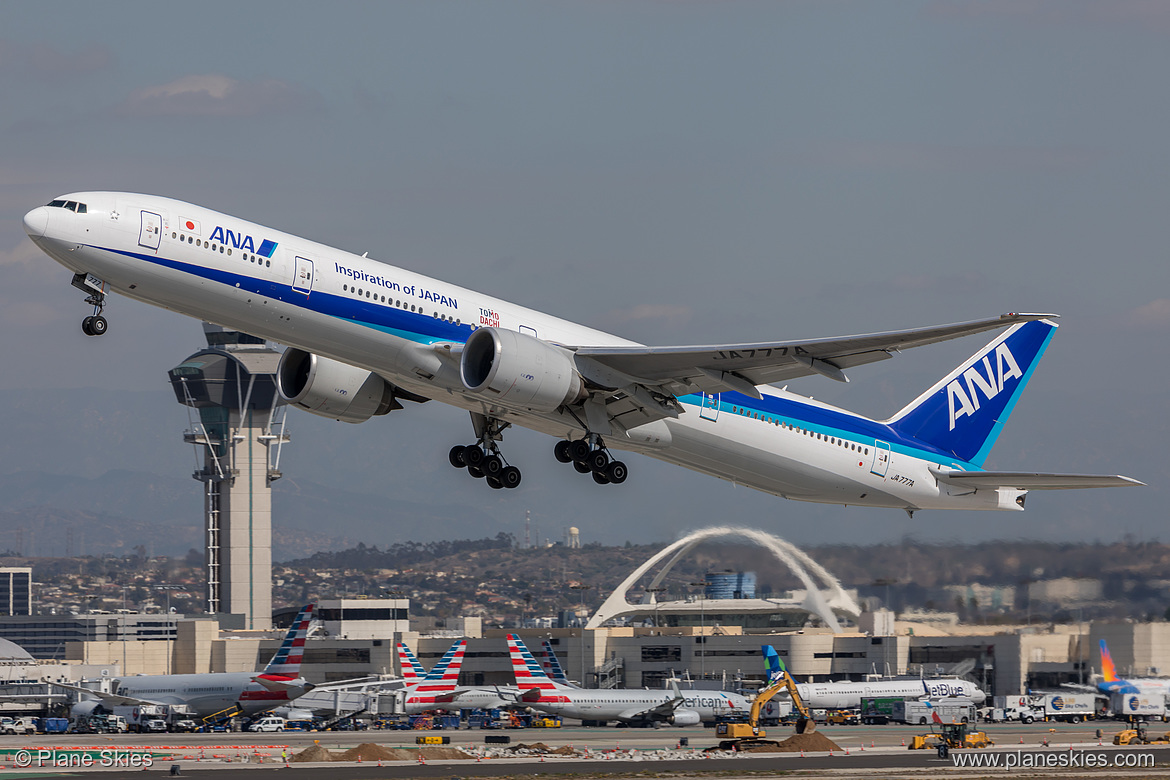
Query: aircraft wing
{"type": "Point", "coordinates": [739, 367]}
{"type": "Point", "coordinates": [1032, 480]}
{"type": "Point", "coordinates": [663, 711]}
{"type": "Point", "coordinates": [111, 699]}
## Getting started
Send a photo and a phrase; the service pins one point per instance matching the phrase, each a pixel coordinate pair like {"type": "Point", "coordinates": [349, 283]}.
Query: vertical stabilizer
{"type": "Point", "coordinates": [412, 671]}
{"type": "Point", "coordinates": [963, 413]}
{"type": "Point", "coordinates": [288, 658]}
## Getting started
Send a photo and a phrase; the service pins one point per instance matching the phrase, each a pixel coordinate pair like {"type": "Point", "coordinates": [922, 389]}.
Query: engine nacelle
{"type": "Point", "coordinates": [685, 718]}
{"type": "Point", "coordinates": [333, 389]}
{"type": "Point", "coordinates": [514, 368]}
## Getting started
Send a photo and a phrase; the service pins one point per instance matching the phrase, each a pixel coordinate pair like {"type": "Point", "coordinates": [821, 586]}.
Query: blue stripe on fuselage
{"type": "Point", "coordinates": [418, 327]}
{"type": "Point", "coordinates": [828, 422]}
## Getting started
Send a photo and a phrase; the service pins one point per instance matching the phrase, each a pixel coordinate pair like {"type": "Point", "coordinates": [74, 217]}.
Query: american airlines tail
{"type": "Point", "coordinates": [964, 412]}
{"type": "Point", "coordinates": [529, 674]}
{"type": "Point", "coordinates": [444, 675]}
{"type": "Point", "coordinates": [287, 661]}
{"type": "Point", "coordinates": [552, 666]}
{"type": "Point", "coordinates": [412, 671]}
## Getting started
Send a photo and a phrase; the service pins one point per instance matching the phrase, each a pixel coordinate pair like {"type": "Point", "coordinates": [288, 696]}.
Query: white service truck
{"type": "Point", "coordinates": [1069, 708]}
{"type": "Point", "coordinates": [953, 709]}
{"type": "Point", "coordinates": [1018, 708]}
{"type": "Point", "coordinates": [1138, 706]}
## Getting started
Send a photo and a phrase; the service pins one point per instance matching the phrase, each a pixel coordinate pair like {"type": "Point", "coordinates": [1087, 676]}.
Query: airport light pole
{"type": "Point", "coordinates": [702, 585]}
{"type": "Point", "coordinates": [582, 589]}
{"type": "Point", "coordinates": [878, 583]}
{"type": "Point", "coordinates": [167, 589]}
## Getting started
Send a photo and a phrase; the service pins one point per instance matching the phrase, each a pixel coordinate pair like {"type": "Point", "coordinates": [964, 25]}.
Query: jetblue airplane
{"type": "Point", "coordinates": [364, 336]}
{"type": "Point", "coordinates": [247, 693]}
{"type": "Point", "coordinates": [848, 695]}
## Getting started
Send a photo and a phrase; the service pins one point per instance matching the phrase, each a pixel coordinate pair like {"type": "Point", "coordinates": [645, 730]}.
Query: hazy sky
{"type": "Point", "coordinates": [675, 172]}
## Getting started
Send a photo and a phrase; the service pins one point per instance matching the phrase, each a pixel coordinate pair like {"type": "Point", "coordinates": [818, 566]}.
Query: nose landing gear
{"type": "Point", "coordinates": [95, 324]}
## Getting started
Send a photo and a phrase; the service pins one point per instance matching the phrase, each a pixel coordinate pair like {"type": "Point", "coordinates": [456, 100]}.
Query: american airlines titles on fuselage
{"type": "Point", "coordinates": [365, 336]}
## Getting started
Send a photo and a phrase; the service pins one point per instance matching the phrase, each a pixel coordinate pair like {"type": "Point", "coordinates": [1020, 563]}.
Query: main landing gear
{"type": "Point", "coordinates": [589, 456]}
{"type": "Point", "coordinates": [95, 324]}
{"type": "Point", "coordinates": [483, 459]}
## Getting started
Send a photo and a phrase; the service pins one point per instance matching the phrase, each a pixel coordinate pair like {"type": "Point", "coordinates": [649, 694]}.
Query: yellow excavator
{"type": "Point", "coordinates": [738, 733]}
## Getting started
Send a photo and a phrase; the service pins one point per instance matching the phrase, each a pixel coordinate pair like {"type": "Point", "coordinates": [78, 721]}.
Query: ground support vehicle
{"type": "Point", "coordinates": [18, 726]}
{"type": "Point", "coordinates": [878, 710]}
{"type": "Point", "coordinates": [954, 709]}
{"type": "Point", "coordinates": [843, 718]}
{"type": "Point", "coordinates": [950, 736]}
{"type": "Point", "coordinates": [740, 733]}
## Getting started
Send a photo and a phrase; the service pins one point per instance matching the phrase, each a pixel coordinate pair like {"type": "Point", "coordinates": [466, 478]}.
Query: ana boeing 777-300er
{"type": "Point", "coordinates": [219, 695]}
{"type": "Point", "coordinates": [364, 336]}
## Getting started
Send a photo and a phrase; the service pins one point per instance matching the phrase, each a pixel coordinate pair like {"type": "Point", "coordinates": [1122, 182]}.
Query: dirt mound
{"type": "Point", "coordinates": [564, 750]}
{"type": "Point", "coordinates": [797, 742]}
{"type": "Point", "coordinates": [368, 751]}
{"type": "Point", "coordinates": [313, 753]}
{"type": "Point", "coordinates": [443, 753]}
{"type": "Point", "coordinates": [543, 748]}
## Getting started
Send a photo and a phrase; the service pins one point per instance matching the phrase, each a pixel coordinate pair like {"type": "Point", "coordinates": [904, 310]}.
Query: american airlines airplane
{"type": "Point", "coordinates": [217, 693]}
{"type": "Point", "coordinates": [627, 706]}
{"type": "Point", "coordinates": [364, 336]}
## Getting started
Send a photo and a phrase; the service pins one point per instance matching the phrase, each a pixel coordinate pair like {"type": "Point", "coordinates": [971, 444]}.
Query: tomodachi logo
{"type": "Point", "coordinates": [489, 317]}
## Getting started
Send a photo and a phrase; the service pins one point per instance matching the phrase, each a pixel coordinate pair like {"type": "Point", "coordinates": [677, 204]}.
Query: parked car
{"type": "Point", "coordinates": [269, 723]}
{"type": "Point", "coordinates": [186, 725]}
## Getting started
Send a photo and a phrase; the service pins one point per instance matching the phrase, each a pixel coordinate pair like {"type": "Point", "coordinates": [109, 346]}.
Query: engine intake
{"type": "Point", "coordinates": [518, 369]}
{"type": "Point", "coordinates": [333, 389]}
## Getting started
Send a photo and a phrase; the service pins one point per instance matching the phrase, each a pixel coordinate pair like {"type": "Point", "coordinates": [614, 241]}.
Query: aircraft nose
{"type": "Point", "coordinates": [36, 222]}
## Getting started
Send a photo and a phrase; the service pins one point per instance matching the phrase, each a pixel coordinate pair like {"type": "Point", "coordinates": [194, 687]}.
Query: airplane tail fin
{"type": "Point", "coordinates": [446, 671]}
{"type": "Point", "coordinates": [527, 670]}
{"type": "Point", "coordinates": [772, 663]}
{"type": "Point", "coordinates": [1108, 670]}
{"type": "Point", "coordinates": [412, 670]}
{"type": "Point", "coordinates": [552, 665]}
{"type": "Point", "coordinates": [288, 658]}
{"type": "Point", "coordinates": [964, 412]}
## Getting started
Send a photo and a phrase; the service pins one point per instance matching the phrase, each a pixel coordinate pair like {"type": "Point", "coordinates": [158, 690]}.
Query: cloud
{"type": "Point", "coordinates": [43, 63]}
{"type": "Point", "coordinates": [667, 314]}
{"type": "Point", "coordinates": [1155, 314]}
{"type": "Point", "coordinates": [24, 253]}
{"type": "Point", "coordinates": [216, 95]}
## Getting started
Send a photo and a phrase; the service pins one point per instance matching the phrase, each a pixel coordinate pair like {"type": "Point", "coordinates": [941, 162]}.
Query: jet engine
{"type": "Point", "coordinates": [333, 389]}
{"type": "Point", "coordinates": [518, 369]}
{"type": "Point", "coordinates": [685, 718]}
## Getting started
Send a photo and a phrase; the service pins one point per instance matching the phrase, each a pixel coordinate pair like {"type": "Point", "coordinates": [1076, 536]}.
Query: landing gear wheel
{"type": "Point", "coordinates": [579, 450]}
{"type": "Point", "coordinates": [581, 467]}
{"type": "Point", "coordinates": [561, 451]}
{"type": "Point", "coordinates": [86, 326]}
{"type": "Point", "coordinates": [475, 471]}
{"type": "Point", "coordinates": [510, 477]}
{"type": "Point", "coordinates": [494, 483]}
{"type": "Point", "coordinates": [600, 478]}
{"type": "Point", "coordinates": [617, 472]}
{"type": "Point", "coordinates": [473, 456]}
{"type": "Point", "coordinates": [492, 465]}
{"type": "Point", "coordinates": [456, 457]}
{"type": "Point", "coordinates": [98, 325]}
{"type": "Point", "coordinates": [598, 461]}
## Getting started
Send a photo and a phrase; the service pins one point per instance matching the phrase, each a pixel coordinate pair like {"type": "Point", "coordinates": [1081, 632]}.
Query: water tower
{"type": "Point", "coordinates": [237, 421]}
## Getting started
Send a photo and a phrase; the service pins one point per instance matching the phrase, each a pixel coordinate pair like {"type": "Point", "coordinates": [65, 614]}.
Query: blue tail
{"type": "Point", "coordinates": [964, 412]}
{"type": "Point", "coordinates": [772, 663]}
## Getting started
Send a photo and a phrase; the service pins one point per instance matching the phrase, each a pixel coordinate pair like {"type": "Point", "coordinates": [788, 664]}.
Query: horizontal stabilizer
{"type": "Point", "coordinates": [1023, 480]}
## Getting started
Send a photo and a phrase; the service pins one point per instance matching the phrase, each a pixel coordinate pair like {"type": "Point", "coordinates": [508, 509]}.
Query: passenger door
{"type": "Point", "coordinates": [881, 458]}
{"type": "Point", "coordinates": [303, 275]}
{"type": "Point", "coordinates": [150, 233]}
{"type": "Point", "coordinates": [710, 408]}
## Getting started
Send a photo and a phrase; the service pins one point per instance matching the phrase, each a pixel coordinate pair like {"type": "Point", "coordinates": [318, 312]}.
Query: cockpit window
{"type": "Point", "coordinates": [72, 205]}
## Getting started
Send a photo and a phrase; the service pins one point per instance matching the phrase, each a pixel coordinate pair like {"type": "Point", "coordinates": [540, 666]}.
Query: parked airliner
{"type": "Point", "coordinates": [643, 707]}
{"type": "Point", "coordinates": [364, 336]}
{"type": "Point", "coordinates": [223, 694]}
{"type": "Point", "coordinates": [848, 695]}
{"type": "Point", "coordinates": [1111, 683]}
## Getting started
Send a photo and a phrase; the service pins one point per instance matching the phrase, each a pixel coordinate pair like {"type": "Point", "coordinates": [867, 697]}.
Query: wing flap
{"type": "Point", "coordinates": [1020, 480]}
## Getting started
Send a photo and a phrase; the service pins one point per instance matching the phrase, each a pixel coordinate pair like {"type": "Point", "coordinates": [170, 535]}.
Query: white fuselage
{"type": "Point", "coordinates": [848, 695]}
{"type": "Point", "coordinates": [207, 694]}
{"type": "Point", "coordinates": [625, 705]}
{"type": "Point", "coordinates": [385, 319]}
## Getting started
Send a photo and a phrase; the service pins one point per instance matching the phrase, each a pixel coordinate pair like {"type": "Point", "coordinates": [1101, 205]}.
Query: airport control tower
{"type": "Point", "coordinates": [237, 420]}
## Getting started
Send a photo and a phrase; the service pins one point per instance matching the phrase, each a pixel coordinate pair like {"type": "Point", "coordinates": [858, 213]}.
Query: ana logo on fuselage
{"type": "Point", "coordinates": [965, 401]}
{"type": "Point", "coordinates": [241, 241]}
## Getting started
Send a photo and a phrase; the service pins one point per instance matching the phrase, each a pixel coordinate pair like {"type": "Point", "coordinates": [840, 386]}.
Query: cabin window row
{"type": "Point", "coordinates": [183, 237]}
{"type": "Point", "coordinates": [803, 431]}
{"type": "Point", "coordinates": [361, 292]}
